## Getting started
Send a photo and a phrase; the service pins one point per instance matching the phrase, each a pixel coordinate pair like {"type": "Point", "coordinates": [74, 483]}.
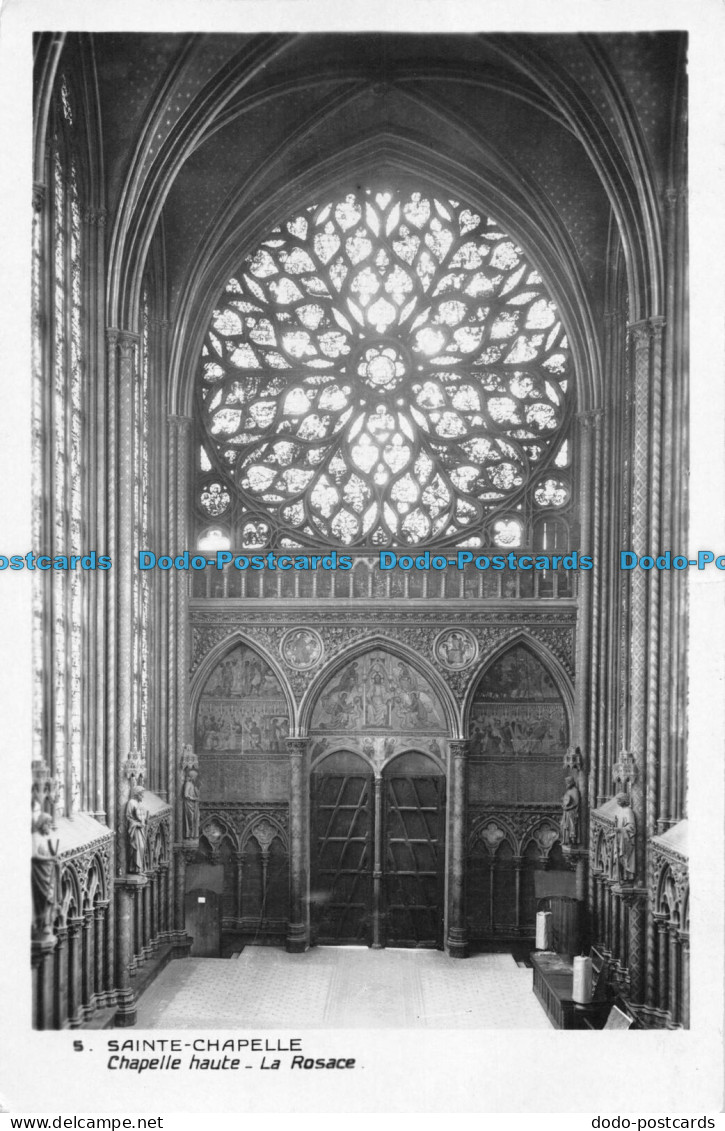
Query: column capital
{"type": "Point", "coordinates": [297, 747]}
{"type": "Point", "coordinates": [633, 894]}
{"type": "Point", "coordinates": [643, 331]}
{"type": "Point", "coordinates": [74, 926]}
{"type": "Point", "coordinates": [39, 195]}
{"type": "Point", "coordinates": [96, 216]}
{"type": "Point", "coordinates": [459, 747]}
{"type": "Point", "coordinates": [131, 881]}
{"type": "Point", "coordinates": [591, 418]}
{"type": "Point", "coordinates": [179, 423]}
{"type": "Point", "coordinates": [126, 340]}
{"type": "Point", "coordinates": [672, 196]}
{"type": "Point", "coordinates": [41, 947]}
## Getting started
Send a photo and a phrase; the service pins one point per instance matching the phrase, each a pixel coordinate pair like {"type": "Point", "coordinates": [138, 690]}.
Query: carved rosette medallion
{"type": "Point", "coordinates": [302, 649]}
{"type": "Point", "coordinates": [456, 649]}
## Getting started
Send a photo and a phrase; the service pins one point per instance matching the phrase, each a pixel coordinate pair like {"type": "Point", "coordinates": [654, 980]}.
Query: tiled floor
{"type": "Point", "coordinates": [342, 988]}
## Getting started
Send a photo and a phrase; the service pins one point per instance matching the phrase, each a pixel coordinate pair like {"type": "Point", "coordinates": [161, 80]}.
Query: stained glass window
{"type": "Point", "coordinates": [388, 368]}
{"type": "Point", "coordinates": [58, 457]}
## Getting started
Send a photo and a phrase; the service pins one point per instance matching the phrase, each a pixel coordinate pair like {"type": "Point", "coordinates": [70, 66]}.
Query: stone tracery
{"type": "Point", "coordinates": [387, 368]}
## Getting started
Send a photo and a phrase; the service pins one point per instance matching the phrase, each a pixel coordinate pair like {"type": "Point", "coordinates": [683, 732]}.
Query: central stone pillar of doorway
{"type": "Point", "coordinates": [457, 935]}
{"type": "Point", "coordinates": [298, 929]}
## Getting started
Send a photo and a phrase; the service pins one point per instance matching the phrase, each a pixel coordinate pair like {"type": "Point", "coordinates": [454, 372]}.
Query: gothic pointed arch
{"type": "Point", "coordinates": [550, 663]}
{"type": "Point", "coordinates": [241, 702]}
{"type": "Point", "coordinates": [219, 652]}
{"type": "Point", "coordinates": [423, 705]}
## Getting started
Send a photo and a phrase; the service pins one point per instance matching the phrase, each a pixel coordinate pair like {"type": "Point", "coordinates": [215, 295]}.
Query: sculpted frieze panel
{"type": "Point", "coordinates": [517, 711]}
{"type": "Point", "coordinates": [242, 709]}
{"type": "Point", "coordinates": [378, 692]}
{"type": "Point", "coordinates": [315, 638]}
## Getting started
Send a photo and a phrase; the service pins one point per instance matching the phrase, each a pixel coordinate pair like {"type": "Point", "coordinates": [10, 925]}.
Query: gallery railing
{"type": "Point", "coordinates": [367, 581]}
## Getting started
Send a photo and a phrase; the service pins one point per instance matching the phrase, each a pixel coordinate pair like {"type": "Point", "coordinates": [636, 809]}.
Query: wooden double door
{"type": "Point", "coordinates": [377, 852]}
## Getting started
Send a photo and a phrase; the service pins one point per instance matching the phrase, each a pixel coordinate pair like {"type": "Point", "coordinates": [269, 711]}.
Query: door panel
{"type": "Point", "coordinates": [342, 858]}
{"type": "Point", "coordinates": [413, 832]}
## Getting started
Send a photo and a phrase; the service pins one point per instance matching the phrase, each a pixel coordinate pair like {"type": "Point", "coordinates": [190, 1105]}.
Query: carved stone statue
{"type": "Point", "coordinates": [190, 800]}
{"type": "Point", "coordinates": [570, 804]}
{"type": "Point", "coordinates": [44, 874]}
{"type": "Point", "coordinates": [625, 828]}
{"type": "Point", "coordinates": [136, 830]}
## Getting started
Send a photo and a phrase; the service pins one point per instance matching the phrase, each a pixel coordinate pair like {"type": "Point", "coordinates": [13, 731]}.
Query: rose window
{"type": "Point", "coordinates": [385, 369]}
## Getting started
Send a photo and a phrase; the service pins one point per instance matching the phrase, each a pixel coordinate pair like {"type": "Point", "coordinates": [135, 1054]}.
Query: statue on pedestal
{"type": "Point", "coordinates": [44, 876]}
{"type": "Point", "coordinates": [190, 799]}
{"type": "Point", "coordinates": [570, 804]}
{"type": "Point", "coordinates": [136, 830]}
{"type": "Point", "coordinates": [625, 829]}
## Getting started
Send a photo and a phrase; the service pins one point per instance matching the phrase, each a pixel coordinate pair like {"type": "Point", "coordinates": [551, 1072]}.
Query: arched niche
{"type": "Point", "coordinates": [242, 708]}
{"type": "Point", "coordinates": [414, 764]}
{"type": "Point", "coordinates": [342, 762]}
{"type": "Point", "coordinates": [241, 721]}
{"type": "Point", "coordinates": [518, 727]}
{"type": "Point", "coordinates": [377, 692]}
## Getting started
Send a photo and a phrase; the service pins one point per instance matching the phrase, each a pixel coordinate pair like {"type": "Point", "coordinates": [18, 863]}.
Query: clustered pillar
{"type": "Point", "coordinates": [298, 934]}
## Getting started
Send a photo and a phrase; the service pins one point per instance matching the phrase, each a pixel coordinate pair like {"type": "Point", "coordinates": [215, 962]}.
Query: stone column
{"type": "Point", "coordinates": [674, 974]}
{"type": "Point", "coordinates": [239, 888]}
{"type": "Point", "coordinates": [99, 913]}
{"type": "Point", "coordinates": [60, 979]}
{"type": "Point", "coordinates": [586, 658]}
{"type": "Point", "coordinates": [109, 957]}
{"type": "Point", "coordinates": [137, 958]}
{"type": "Point", "coordinates": [126, 890]}
{"type": "Point", "coordinates": [662, 956]}
{"type": "Point", "coordinates": [180, 857]}
{"type": "Point", "coordinates": [298, 932]}
{"type": "Point", "coordinates": [636, 902]}
{"type": "Point", "coordinates": [147, 930]}
{"type": "Point", "coordinates": [179, 441]}
{"type": "Point", "coordinates": [111, 579]}
{"type": "Point", "coordinates": [124, 565]}
{"type": "Point", "coordinates": [600, 886]}
{"type": "Point", "coordinates": [42, 965]}
{"type": "Point", "coordinates": [644, 653]}
{"type": "Point", "coordinates": [614, 934]}
{"type": "Point", "coordinates": [641, 338]}
{"type": "Point", "coordinates": [518, 865]}
{"type": "Point", "coordinates": [87, 963]}
{"type": "Point", "coordinates": [457, 940]}
{"type": "Point", "coordinates": [75, 1012]}
{"type": "Point", "coordinates": [121, 372]}
{"type": "Point", "coordinates": [685, 954]}
{"type": "Point", "coordinates": [378, 862]}
{"type": "Point", "coordinates": [99, 741]}
{"type": "Point", "coordinates": [624, 915]}
{"type": "Point", "coordinates": [163, 903]}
